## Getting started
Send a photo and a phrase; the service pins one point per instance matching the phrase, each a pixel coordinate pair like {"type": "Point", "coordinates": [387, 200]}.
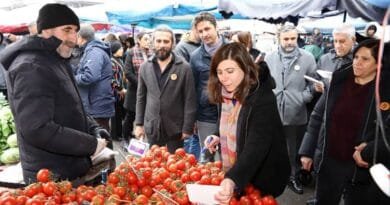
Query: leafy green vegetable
{"type": "Point", "coordinates": [12, 140]}
{"type": "Point", "coordinates": [10, 156]}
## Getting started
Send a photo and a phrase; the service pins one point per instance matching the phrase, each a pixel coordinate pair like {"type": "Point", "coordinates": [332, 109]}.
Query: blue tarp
{"type": "Point", "coordinates": [176, 16]}
{"type": "Point", "coordinates": [379, 3]}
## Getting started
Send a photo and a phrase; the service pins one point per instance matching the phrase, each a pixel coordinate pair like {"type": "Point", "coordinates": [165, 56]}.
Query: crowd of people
{"type": "Point", "coordinates": [72, 94]}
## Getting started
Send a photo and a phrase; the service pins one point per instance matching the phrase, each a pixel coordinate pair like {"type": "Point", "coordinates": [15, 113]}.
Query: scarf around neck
{"type": "Point", "coordinates": [228, 129]}
{"type": "Point", "coordinates": [211, 49]}
{"type": "Point", "coordinates": [287, 58]}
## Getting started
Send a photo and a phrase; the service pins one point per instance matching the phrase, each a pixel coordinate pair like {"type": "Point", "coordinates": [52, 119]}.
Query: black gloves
{"type": "Point", "coordinates": [101, 133]}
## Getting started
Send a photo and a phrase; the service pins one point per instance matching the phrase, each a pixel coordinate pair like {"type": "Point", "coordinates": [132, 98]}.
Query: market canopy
{"type": "Point", "coordinates": [369, 10]}
{"type": "Point", "coordinates": [177, 14]}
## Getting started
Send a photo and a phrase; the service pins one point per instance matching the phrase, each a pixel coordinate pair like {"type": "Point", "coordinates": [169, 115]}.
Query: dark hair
{"type": "Point", "coordinates": [372, 27]}
{"type": "Point", "coordinates": [372, 44]}
{"type": "Point", "coordinates": [238, 53]}
{"type": "Point", "coordinates": [245, 38]}
{"type": "Point", "coordinates": [167, 29]}
{"type": "Point", "coordinates": [204, 16]}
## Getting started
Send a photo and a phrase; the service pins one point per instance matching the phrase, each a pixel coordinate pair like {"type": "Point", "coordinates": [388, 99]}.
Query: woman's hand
{"type": "Point", "coordinates": [358, 157]}
{"type": "Point", "coordinates": [226, 193]}
{"type": "Point", "coordinates": [211, 143]}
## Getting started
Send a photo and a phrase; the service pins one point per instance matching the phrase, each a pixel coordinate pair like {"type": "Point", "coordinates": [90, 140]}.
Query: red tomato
{"type": "Point", "coordinates": [89, 194]}
{"type": "Point", "coordinates": [141, 199]}
{"type": "Point", "coordinates": [32, 190]}
{"type": "Point", "coordinates": [176, 186]}
{"type": "Point", "coordinates": [133, 188]}
{"type": "Point", "coordinates": [181, 197]}
{"type": "Point", "coordinates": [233, 201]}
{"type": "Point", "coordinates": [131, 178]}
{"type": "Point", "coordinates": [141, 182]}
{"type": "Point", "coordinates": [34, 201]}
{"type": "Point", "coordinates": [191, 159]}
{"type": "Point", "coordinates": [98, 200]}
{"type": "Point", "coordinates": [147, 191]}
{"type": "Point", "coordinates": [244, 200]}
{"type": "Point", "coordinates": [113, 178]}
{"type": "Point", "coordinates": [167, 183]}
{"type": "Point", "coordinates": [180, 152]}
{"type": "Point", "coordinates": [249, 189]}
{"type": "Point", "coordinates": [147, 173]}
{"type": "Point", "coordinates": [216, 180]}
{"type": "Point", "coordinates": [49, 188]}
{"type": "Point", "coordinates": [8, 200]}
{"type": "Point", "coordinates": [256, 194]}
{"type": "Point", "coordinates": [218, 164]}
{"type": "Point", "coordinates": [44, 175]}
{"type": "Point", "coordinates": [205, 179]}
{"type": "Point", "coordinates": [163, 173]}
{"type": "Point", "coordinates": [205, 171]}
{"type": "Point", "coordinates": [120, 191]}
{"type": "Point", "coordinates": [269, 200]}
{"type": "Point", "coordinates": [64, 186]}
{"type": "Point", "coordinates": [21, 200]}
{"type": "Point", "coordinates": [195, 176]}
{"type": "Point", "coordinates": [172, 168]}
{"type": "Point", "coordinates": [185, 177]}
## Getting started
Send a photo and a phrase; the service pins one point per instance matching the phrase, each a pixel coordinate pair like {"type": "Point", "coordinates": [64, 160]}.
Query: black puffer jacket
{"type": "Point", "coordinates": [51, 124]}
{"type": "Point", "coordinates": [262, 158]}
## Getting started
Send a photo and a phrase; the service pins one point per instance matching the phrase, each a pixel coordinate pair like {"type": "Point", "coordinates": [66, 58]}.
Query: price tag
{"type": "Point", "coordinates": [138, 147]}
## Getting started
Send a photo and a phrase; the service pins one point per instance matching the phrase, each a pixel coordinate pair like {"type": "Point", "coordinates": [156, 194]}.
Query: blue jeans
{"type": "Point", "coordinates": [192, 146]}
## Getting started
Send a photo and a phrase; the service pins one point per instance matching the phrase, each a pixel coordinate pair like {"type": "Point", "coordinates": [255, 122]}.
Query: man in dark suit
{"type": "Point", "coordinates": [166, 99]}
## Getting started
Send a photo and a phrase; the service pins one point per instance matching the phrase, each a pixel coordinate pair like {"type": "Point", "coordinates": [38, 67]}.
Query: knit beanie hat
{"type": "Point", "coordinates": [54, 15]}
{"type": "Point", "coordinates": [115, 46]}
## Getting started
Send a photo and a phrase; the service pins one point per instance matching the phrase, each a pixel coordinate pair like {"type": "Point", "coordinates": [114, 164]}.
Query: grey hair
{"type": "Point", "coordinates": [286, 28]}
{"type": "Point", "coordinates": [165, 28]}
{"type": "Point", "coordinates": [87, 32]}
{"type": "Point", "coordinates": [345, 29]}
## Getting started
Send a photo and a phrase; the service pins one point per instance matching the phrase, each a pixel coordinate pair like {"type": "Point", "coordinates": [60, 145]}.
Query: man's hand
{"type": "Point", "coordinates": [101, 144]}
{"type": "Point", "coordinates": [122, 94]}
{"type": "Point", "coordinates": [319, 87]}
{"type": "Point", "coordinates": [358, 157]}
{"type": "Point", "coordinates": [306, 163]}
{"type": "Point", "coordinates": [185, 136]}
{"type": "Point", "coordinates": [139, 131]}
{"type": "Point", "coordinates": [226, 193]}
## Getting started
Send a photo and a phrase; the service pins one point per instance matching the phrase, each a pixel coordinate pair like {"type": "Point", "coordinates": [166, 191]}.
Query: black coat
{"type": "Point", "coordinates": [262, 158]}
{"type": "Point", "coordinates": [52, 127]}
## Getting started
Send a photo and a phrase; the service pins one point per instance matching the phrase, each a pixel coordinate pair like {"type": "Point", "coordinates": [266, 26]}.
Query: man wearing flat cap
{"type": "Point", "coordinates": [53, 129]}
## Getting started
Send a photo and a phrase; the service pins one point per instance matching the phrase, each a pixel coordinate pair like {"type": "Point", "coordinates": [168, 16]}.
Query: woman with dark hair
{"type": "Point", "coordinates": [251, 140]}
{"type": "Point", "coordinates": [134, 58]}
{"type": "Point", "coordinates": [341, 132]}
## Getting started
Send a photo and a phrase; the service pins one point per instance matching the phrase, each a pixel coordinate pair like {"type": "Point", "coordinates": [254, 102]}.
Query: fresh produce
{"type": "Point", "coordinates": [12, 140]}
{"type": "Point", "coordinates": [10, 156]}
{"type": "Point", "coordinates": [7, 127]}
{"type": "Point", "coordinates": [159, 178]}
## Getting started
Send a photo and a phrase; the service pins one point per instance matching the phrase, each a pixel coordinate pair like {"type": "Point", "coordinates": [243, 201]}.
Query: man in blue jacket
{"type": "Point", "coordinates": [94, 75]}
{"type": "Point", "coordinates": [206, 121]}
